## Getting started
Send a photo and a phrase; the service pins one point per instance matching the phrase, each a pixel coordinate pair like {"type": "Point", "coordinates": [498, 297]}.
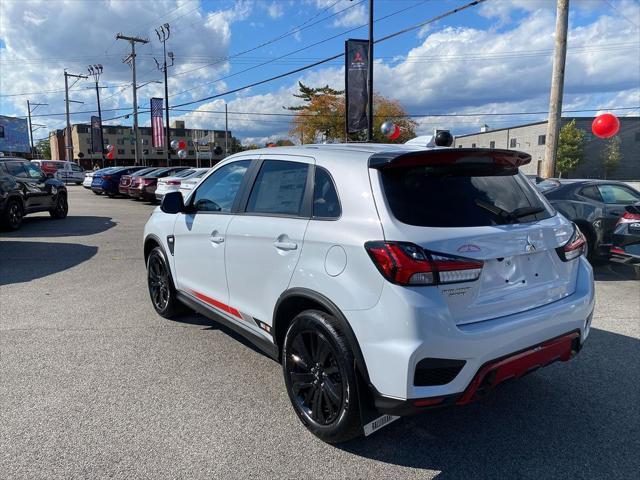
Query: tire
{"type": "Point", "coordinates": [317, 363]}
{"type": "Point", "coordinates": [162, 292]}
{"type": "Point", "coordinates": [61, 208]}
{"type": "Point", "coordinates": [13, 215]}
{"type": "Point", "coordinates": [96, 193]}
{"type": "Point", "coordinates": [78, 183]}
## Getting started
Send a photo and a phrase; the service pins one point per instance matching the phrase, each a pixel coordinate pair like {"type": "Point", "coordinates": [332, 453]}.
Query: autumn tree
{"type": "Point", "coordinates": [570, 148]}
{"type": "Point", "coordinates": [321, 117]}
{"type": "Point", "coordinates": [611, 156]}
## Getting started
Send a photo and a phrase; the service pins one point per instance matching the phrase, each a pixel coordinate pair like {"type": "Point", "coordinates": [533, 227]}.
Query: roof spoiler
{"type": "Point", "coordinates": [450, 156]}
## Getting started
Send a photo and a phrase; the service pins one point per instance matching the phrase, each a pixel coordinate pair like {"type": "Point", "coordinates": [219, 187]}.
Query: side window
{"type": "Point", "coordinates": [218, 192]}
{"type": "Point", "coordinates": [279, 188]}
{"type": "Point", "coordinates": [592, 193]}
{"type": "Point", "coordinates": [16, 169]}
{"type": "Point", "coordinates": [76, 168]}
{"type": "Point", "coordinates": [615, 194]}
{"type": "Point", "coordinates": [325, 198]}
{"type": "Point", "coordinates": [33, 171]}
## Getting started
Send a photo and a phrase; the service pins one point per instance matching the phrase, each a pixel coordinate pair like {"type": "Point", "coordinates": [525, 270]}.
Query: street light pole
{"type": "Point", "coordinates": [163, 33]}
{"type": "Point", "coordinates": [132, 59]}
{"type": "Point", "coordinates": [370, 79]}
{"type": "Point", "coordinates": [96, 71]}
{"type": "Point", "coordinates": [68, 143]}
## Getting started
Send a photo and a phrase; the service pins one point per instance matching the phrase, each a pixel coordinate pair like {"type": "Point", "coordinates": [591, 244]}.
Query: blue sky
{"type": "Point", "coordinates": [490, 59]}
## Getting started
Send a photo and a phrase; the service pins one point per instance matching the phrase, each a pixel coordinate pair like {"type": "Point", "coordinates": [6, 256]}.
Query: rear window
{"type": "Point", "coordinates": [437, 196]}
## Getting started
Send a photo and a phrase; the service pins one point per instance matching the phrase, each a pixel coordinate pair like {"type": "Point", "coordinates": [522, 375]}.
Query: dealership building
{"type": "Point", "coordinates": [200, 145]}
{"type": "Point", "coordinates": [531, 138]}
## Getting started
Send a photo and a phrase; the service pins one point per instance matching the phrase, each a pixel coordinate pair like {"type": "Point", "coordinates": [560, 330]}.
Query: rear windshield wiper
{"type": "Point", "coordinates": [506, 215]}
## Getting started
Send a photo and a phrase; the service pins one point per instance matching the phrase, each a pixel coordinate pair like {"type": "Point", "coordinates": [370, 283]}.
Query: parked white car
{"type": "Point", "coordinates": [173, 183]}
{"type": "Point", "coordinates": [387, 279]}
{"type": "Point", "coordinates": [68, 172]}
{"type": "Point", "coordinates": [88, 178]}
{"type": "Point", "coordinates": [188, 184]}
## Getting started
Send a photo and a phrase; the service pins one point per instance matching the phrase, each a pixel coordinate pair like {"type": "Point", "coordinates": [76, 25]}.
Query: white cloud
{"type": "Point", "coordinates": [275, 10]}
{"type": "Point", "coordinates": [352, 17]}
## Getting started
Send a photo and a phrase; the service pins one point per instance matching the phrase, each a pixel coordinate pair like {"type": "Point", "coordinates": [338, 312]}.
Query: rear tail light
{"type": "Point", "coordinates": [173, 182]}
{"type": "Point", "coordinates": [106, 177]}
{"type": "Point", "coordinates": [408, 264]}
{"type": "Point", "coordinates": [628, 217]}
{"type": "Point", "coordinates": [574, 247]}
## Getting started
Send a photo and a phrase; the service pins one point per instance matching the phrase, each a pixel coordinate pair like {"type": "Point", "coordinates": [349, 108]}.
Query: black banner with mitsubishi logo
{"type": "Point", "coordinates": [356, 91]}
{"type": "Point", "coordinates": [96, 135]}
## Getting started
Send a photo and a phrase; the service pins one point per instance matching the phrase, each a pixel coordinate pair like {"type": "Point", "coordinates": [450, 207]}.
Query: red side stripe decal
{"type": "Point", "coordinates": [215, 303]}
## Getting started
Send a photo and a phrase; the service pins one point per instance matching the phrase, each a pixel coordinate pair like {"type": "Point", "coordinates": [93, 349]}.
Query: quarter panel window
{"type": "Point", "coordinates": [218, 191]}
{"type": "Point", "coordinates": [279, 188]}
{"type": "Point", "coordinates": [325, 197]}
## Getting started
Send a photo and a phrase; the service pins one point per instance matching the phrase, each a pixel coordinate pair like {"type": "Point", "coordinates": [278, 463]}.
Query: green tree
{"type": "Point", "coordinates": [43, 148]}
{"type": "Point", "coordinates": [611, 156]}
{"type": "Point", "coordinates": [570, 148]}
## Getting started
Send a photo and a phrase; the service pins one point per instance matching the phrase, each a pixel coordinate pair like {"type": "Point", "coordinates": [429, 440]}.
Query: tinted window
{"type": "Point", "coordinates": [617, 194]}
{"type": "Point", "coordinates": [432, 196]}
{"type": "Point", "coordinates": [76, 168]}
{"type": "Point", "coordinates": [218, 191]}
{"type": "Point", "coordinates": [279, 188]}
{"type": "Point", "coordinates": [16, 169]}
{"type": "Point", "coordinates": [592, 193]}
{"type": "Point", "coordinates": [325, 197]}
{"type": "Point", "coordinates": [33, 171]}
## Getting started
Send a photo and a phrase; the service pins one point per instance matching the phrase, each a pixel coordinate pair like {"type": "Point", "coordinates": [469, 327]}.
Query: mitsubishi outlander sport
{"type": "Point", "coordinates": [387, 279]}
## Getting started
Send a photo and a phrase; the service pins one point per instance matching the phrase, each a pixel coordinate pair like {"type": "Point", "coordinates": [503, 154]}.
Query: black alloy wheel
{"type": "Point", "coordinates": [13, 215]}
{"type": "Point", "coordinates": [316, 380]}
{"type": "Point", "coordinates": [61, 207]}
{"type": "Point", "coordinates": [161, 288]}
{"type": "Point", "coordinates": [318, 367]}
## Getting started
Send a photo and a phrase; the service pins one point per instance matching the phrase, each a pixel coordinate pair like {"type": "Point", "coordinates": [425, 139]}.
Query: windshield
{"type": "Point", "coordinates": [432, 196]}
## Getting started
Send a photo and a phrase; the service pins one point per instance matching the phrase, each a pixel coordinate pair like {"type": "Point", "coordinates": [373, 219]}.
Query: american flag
{"type": "Point", "coordinates": [157, 128]}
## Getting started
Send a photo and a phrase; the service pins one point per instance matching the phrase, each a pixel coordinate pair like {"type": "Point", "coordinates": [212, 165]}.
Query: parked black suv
{"type": "Point", "coordinates": [25, 189]}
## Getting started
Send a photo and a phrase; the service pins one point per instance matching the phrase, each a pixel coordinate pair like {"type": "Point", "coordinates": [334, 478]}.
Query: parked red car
{"type": "Point", "coordinates": [144, 186]}
{"type": "Point", "coordinates": [125, 180]}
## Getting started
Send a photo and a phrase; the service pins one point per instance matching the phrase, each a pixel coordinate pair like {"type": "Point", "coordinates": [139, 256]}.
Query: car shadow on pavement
{"type": "Point", "coordinates": [26, 261]}
{"type": "Point", "coordinates": [194, 318]}
{"type": "Point", "coordinates": [72, 226]}
{"type": "Point", "coordinates": [615, 272]}
{"type": "Point", "coordinates": [570, 420]}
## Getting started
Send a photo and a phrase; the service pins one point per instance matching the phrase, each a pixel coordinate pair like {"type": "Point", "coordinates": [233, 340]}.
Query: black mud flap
{"type": "Point", "coordinates": [370, 418]}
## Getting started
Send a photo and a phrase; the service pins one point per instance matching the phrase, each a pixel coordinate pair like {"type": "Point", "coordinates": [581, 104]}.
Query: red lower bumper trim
{"type": "Point", "coordinates": [519, 364]}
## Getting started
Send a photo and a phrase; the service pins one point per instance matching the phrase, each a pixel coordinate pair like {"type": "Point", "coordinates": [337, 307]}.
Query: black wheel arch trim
{"type": "Point", "coordinates": [329, 306]}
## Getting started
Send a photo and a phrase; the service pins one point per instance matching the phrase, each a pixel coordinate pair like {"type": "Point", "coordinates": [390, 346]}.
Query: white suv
{"type": "Point", "coordinates": [387, 279]}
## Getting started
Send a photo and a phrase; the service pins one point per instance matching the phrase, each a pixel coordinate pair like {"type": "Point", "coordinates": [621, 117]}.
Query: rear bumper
{"type": "Point", "coordinates": [406, 327]}
{"type": "Point", "coordinates": [491, 375]}
{"type": "Point", "coordinates": [619, 255]}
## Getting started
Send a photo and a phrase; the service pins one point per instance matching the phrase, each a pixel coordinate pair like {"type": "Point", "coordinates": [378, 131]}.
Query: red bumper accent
{"type": "Point", "coordinates": [516, 365]}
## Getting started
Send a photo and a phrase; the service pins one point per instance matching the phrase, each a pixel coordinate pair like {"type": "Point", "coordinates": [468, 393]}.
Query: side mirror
{"type": "Point", "coordinates": [172, 203]}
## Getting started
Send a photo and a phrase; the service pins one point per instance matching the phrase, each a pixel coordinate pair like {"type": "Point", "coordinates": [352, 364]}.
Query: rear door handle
{"type": "Point", "coordinates": [285, 245]}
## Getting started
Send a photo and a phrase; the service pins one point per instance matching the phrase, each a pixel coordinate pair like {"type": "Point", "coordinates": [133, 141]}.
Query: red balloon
{"type": "Point", "coordinates": [396, 133]}
{"type": "Point", "coordinates": [182, 145]}
{"type": "Point", "coordinates": [605, 125]}
{"type": "Point", "coordinates": [110, 155]}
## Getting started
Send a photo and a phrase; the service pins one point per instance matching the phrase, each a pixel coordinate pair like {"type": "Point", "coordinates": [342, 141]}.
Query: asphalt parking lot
{"type": "Point", "coordinates": [94, 384]}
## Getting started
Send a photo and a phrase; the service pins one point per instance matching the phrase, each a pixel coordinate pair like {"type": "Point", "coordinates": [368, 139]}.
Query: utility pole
{"type": "Point", "coordinates": [370, 79]}
{"type": "Point", "coordinates": [557, 87]}
{"type": "Point", "coordinates": [68, 143]}
{"type": "Point", "coordinates": [163, 33]}
{"type": "Point", "coordinates": [131, 59]}
{"type": "Point", "coordinates": [226, 131]}
{"type": "Point", "coordinates": [96, 71]}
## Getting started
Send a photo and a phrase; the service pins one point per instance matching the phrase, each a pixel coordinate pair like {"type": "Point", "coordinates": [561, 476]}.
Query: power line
{"type": "Point", "coordinates": [302, 49]}
{"type": "Point", "coordinates": [320, 62]}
